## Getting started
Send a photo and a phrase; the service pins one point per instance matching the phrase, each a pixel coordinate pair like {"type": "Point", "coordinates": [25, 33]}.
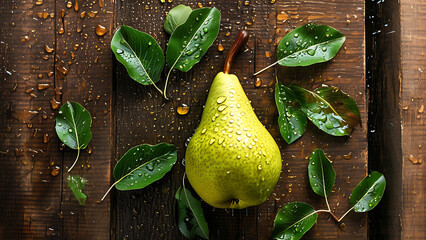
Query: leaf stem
{"type": "Point", "coordinates": [330, 212]}
{"type": "Point", "coordinates": [109, 190]}
{"type": "Point", "coordinates": [322, 210]}
{"type": "Point", "coordinates": [76, 159]}
{"type": "Point", "coordinates": [167, 80]}
{"type": "Point", "coordinates": [340, 219]}
{"type": "Point", "coordinates": [275, 63]}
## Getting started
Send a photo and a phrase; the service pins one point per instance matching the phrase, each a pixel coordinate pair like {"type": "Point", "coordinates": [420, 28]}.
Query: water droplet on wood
{"type": "Point", "coordinates": [100, 30]}
{"type": "Point", "coordinates": [183, 109]}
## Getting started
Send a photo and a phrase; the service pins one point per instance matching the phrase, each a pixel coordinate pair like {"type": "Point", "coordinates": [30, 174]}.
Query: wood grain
{"type": "Point", "coordinates": [384, 140]}
{"type": "Point", "coordinates": [38, 204]}
{"type": "Point", "coordinates": [88, 59]}
{"type": "Point", "coordinates": [413, 127]}
{"type": "Point", "coordinates": [31, 196]}
{"type": "Point", "coordinates": [395, 74]}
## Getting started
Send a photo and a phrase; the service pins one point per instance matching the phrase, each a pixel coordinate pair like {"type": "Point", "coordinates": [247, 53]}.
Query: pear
{"type": "Point", "coordinates": [231, 160]}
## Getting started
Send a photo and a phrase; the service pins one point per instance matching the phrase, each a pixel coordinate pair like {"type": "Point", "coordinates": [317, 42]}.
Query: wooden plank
{"type": "Point", "coordinates": [413, 127]}
{"type": "Point", "coordinates": [384, 121]}
{"type": "Point", "coordinates": [396, 125]}
{"type": "Point", "coordinates": [31, 196]}
{"type": "Point", "coordinates": [37, 203]}
{"type": "Point", "coordinates": [348, 154]}
{"type": "Point", "coordinates": [88, 80]}
{"type": "Point", "coordinates": [149, 213]}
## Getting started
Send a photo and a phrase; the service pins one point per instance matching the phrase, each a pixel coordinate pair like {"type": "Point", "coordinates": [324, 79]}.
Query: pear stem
{"type": "Point", "coordinates": [240, 41]}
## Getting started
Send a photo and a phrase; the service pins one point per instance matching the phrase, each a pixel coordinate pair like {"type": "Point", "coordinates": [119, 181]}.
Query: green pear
{"type": "Point", "coordinates": [231, 160]}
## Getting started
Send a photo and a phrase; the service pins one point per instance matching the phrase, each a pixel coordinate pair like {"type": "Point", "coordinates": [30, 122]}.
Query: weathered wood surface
{"type": "Point", "coordinates": [397, 129]}
{"type": "Point", "coordinates": [37, 205]}
{"type": "Point", "coordinates": [34, 203]}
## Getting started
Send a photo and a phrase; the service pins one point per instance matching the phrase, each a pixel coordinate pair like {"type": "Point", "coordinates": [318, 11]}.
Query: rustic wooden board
{"type": "Point", "coordinates": [396, 76]}
{"type": "Point", "coordinates": [145, 118]}
{"type": "Point", "coordinates": [38, 205]}
{"type": "Point", "coordinates": [413, 127]}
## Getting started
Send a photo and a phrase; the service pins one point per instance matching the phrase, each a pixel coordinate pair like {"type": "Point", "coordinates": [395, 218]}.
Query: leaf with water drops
{"type": "Point", "coordinates": [139, 53]}
{"type": "Point", "coordinates": [368, 193]}
{"type": "Point", "coordinates": [309, 44]}
{"type": "Point", "coordinates": [73, 124]}
{"type": "Point", "coordinates": [291, 120]}
{"type": "Point", "coordinates": [191, 221]}
{"type": "Point", "coordinates": [176, 17]}
{"type": "Point", "coordinates": [330, 109]}
{"type": "Point", "coordinates": [77, 184]}
{"type": "Point", "coordinates": [143, 165]}
{"type": "Point", "coordinates": [321, 173]}
{"type": "Point", "coordinates": [191, 40]}
{"type": "Point", "coordinates": [293, 221]}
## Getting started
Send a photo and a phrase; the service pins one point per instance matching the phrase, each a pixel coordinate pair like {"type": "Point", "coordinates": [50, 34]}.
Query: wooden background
{"type": "Point", "coordinates": [34, 204]}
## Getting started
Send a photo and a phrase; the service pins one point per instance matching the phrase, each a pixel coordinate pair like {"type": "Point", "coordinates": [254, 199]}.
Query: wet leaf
{"type": "Point", "coordinates": [76, 184]}
{"type": "Point", "coordinates": [143, 165]}
{"type": "Point", "coordinates": [191, 219]}
{"type": "Point", "coordinates": [368, 193]}
{"type": "Point", "coordinates": [139, 53]}
{"type": "Point", "coordinates": [191, 40]}
{"type": "Point", "coordinates": [176, 17]}
{"type": "Point", "coordinates": [330, 109]}
{"type": "Point", "coordinates": [309, 44]}
{"type": "Point", "coordinates": [321, 173]}
{"type": "Point", "coordinates": [73, 124]}
{"type": "Point", "coordinates": [291, 120]}
{"type": "Point", "coordinates": [293, 221]}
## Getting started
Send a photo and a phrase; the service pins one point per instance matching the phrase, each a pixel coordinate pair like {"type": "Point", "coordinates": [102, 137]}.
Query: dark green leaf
{"type": "Point", "coordinates": [191, 40]}
{"type": "Point", "coordinates": [143, 165]}
{"type": "Point", "coordinates": [330, 109]}
{"type": "Point", "coordinates": [139, 53]}
{"type": "Point", "coordinates": [368, 193]}
{"type": "Point", "coordinates": [291, 120]}
{"type": "Point", "coordinates": [177, 16]}
{"type": "Point", "coordinates": [321, 173]}
{"type": "Point", "coordinates": [73, 124]}
{"type": "Point", "coordinates": [76, 184]}
{"type": "Point", "coordinates": [309, 44]}
{"type": "Point", "coordinates": [191, 219]}
{"type": "Point", "coordinates": [293, 221]}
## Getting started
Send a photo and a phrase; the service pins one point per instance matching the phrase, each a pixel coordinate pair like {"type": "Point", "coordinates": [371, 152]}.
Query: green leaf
{"type": "Point", "coordinates": [143, 165]}
{"type": "Point", "coordinates": [368, 193]}
{"type": "Point", "coordinates": [177, 16]}
{"type": "Point", "coordinates": [291, 120]}
{"type": "Point", "coordinates": [330, 109]}
{"type": "Point", "coordinates": [309, 44]}
{"type": "Point", "coordinates": [321, 173]}
{"type": "Point", "coordinates": [191, 40]}
{"type": "Point", "coordinates": [73, 124]}
{"type": "Point", "coordinates": [76, 184]}
{"type": "Point", "coordinates": [191, 219]}
{"type": "Point", "coordinates": [293, 221]}
{"type": "Point", "coordinates": [140, 54]}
